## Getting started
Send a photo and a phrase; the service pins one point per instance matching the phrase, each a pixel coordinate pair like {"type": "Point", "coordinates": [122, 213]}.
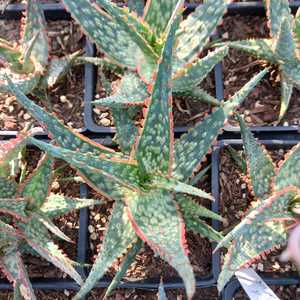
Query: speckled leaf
{"type": "Point", "coordinates": [291, 72]}
{"type": "Point", "coordinates": [13, 207]}
{"type": "Point", "coordinates": [127, 261]}
{"type": "Point", "coordinates": [297, 32]}
{"type": "Point", "coordinates": [136, 6]}
{"type": "Point", "coordinates": [118, 238]}
{"type": "Point", "coordinates": [284, 47]}
{"type": "Point", "coordinates": [8, 230]}
{"type": "Point", "coordinates": [157, 222]}
{"type": "Point", "coordinates": [112, 38]}
{"type": "Point", "coordinates": [276, 11]}
{"type": "Point", "coordinates": [12, 264]}
{"type": "Point", "coordinates": [121, 171]}
{"type": "Point", "coordinates": [38, 238]}
{"type": "Point", "coordinates": [158, 13]}
{"type": "Point", "coordinates": [191, 208]}
{"type": "Point", "coordinates": [8, 188]}
{"type": "Point", "coordinates": [261, 48]}
{"type": "Point", "coordinates": [59, 205]}
{"type": "Point", "coordinates": [155, 145]}
{"type": "Point", "coordinates": [197, 28]}
{"type": "Point", "coordinates": [286, 94]}
{"type": "Point", "coordinates": [256, 235]}
{"type": "Point", "coordinates": [12, 55]}
{"type": "Point", "coordinates": [289, 172]}
{"type": "Point", "coordinates": [58, 68]}
{"type": "Point", "coordinates": [198, 94]}
{"type": "Point", "coordinates": [192, 74]}
{"type": "Point", "coordinates": [63, 135]}
{"type": "Point", "coordinates": [192, 147]}
{"type": "Point", "coordinates": [132, 91]}
{"type": "Point", "coordinates": [260, 165]}
{"type": "Point", "coordinates": [36, 25]}
{"type": "Point", "coordinates": [36, 188]}
{"type": "Point", "coordinates": [126, 130]}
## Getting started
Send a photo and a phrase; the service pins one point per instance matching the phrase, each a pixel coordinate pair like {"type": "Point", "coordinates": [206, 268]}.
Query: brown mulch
{"type": "Point", "coordinates": [236, 198]}
{"type": "Point", "coordinates": [66, 99]}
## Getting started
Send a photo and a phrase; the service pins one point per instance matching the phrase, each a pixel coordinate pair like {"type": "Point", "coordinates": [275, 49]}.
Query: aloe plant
{"type": "Point", "coordinates": [27, 210]}
{"type": "Point", "coordinates": [280, 50]}
{"type": "Point", "coordinates": [29, 62]}
{"type": "Point", "coordinates": [266, 225]}
{"type": "Point", "coordinates": [132, 40]}
{"type": "Point", "coordinates": [150, 186]}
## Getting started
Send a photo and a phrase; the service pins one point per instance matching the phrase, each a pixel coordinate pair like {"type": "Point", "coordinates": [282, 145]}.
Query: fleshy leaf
{"type": "Point", "coordinates": [158, 13]}
{"type": "Point", "coordinates": [276, 11]}
{"type": "Point", "coordinates": [256, 235]}
{"type": "Point", "coordinates": [128, 260]}
{"type": "Point", "coordinates": [286, 94]}
{"type": "Point", "coordinates": [132, 91]}
{"type": "Point", "coordinates": [199, 94]}
{"type": "Point", "coordinates": [38, 238]}
{"type": "Point", "coordinates": [155, 145]}
{"type": "Point", "coordinates": [13, 207]}
{"type": "Point", "coordinates": [297, 32]}
{"type": "Point", "coordinates": [36, 24]}
{"type": "Point", "coordinates": [16, 272]}
{"type": "Point", "coordinates": [112, 38]}
{"type": "Point", "coordinates": [126, 130]}
{"type": "Point", "coordinates": [136, 6]}
{"type": "Point", "coordinates": [122, 172]}
{"type": "Point", "coordinates": [59, 205]}
{"type": "Point", "coordinates": [119, 237]}
{"type": "Point", "coordinates": [157, 222]}
{"type": "Point", "coordinates": [192, 147]}
{"type": "Point", "coordinates": [196, 30]}
{"type": "Point", "coordinates": [63, 135]}
{"type": "Point", "coordinates": [36, 188]}
{"type": "Point", "coordinates": [8, 188]}
{"type": "Point", "coordinates": [288, 174]}
{"type": "Point", "coordinates": [192, 74]}
{"type": "Point", "coordinates": [261, 48]}
{"type": "Point", "coordinates": [260, 165]}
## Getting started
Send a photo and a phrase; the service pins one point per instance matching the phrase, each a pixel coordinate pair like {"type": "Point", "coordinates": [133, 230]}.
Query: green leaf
{"type": "Point", "coordinates": [286, 94]}
{"type": "Point", "coordinates": [297, 31]}
{"type": "Point", "coordinates": [111, 36]}
{"type": "Point", "coordinates": [238, 159]}
{"type": "Point", "coordinates": [154, 150]}
{"type": "Point", "coordinates": [128, 260]}
{"type": "Point", "coordinates": [59, 205]}
{"type": "Point", "coordinates": [120, 171]}
{"type": "Point", "coordinates": [12, 264]}
{"type": "Point", "coordinates": [63, 135]}
{"type": "Point", "coordinates": [288, 174]}
{"type": "Point", "coordinates": [132, 91]}
{"type": "Point", "coordinates": [197, 28]}
{"type": "Point", "coordinates": [200, 177]}
{"type": "Point", "coordinates": [285, 48]}
{"type": "Point", "coordinates": [260, 48]}
{"type": "Point", "coordinates": [8, 188]}
{"type": "Point", "coordinates": [136, 6]}
{"type": "Point", "coordinates": [191, 209]}
{"type": "Point", "coordinates": [36, 25]}
{"type": "Point", "coordinates": [193, 74]}
{"type": "Point", "coordinates": [276, 11]}
{"type": "Point", "coordinates": [126, 130]}
{"type": "Point", "coordinates": [158, 13]}
{"type": "Point", "coordinates": [38, 238]}
{"type": "Point", "coordinates": [257, 234]}
{"type": "Point", "coordinates": [58, 68]}
{"type": "Point", "coordinates": [260, 165]}
{"type": "Point", "coordinates": [13, 207]}
{"type": "Point", "coordinates": [118, 238]}
{"type": "Point", "coordinates": [157, 222]}
{"type": "Point", "coordinates": [199, 94]}
{"type": "Point", "coordinates": [37, 186]}
{"type": "Point", "coordinates": [192, 147]}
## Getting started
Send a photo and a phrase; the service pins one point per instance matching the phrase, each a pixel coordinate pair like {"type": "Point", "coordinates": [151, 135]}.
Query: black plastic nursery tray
{"type": "Point", "coordinates": [276, 278]}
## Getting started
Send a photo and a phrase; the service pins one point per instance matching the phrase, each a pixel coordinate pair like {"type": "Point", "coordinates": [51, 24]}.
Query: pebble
{"type": "Point", "coordinates": [63, 99]}
{"type": "Point", "coordinates": [91, 228]}
{"type": "Point", "coordinates": [104, 115]}
{"type": "Point", "coordinates": [244, 196]}
{"type": "Point", "coordinates": [67, 293]}
{"type": "Point", "coordinates": [105, 122]}
{"type": "Point", "coordinates": [260, 267]}
{"type": "Point", "coordinates": [93, 236]}
{"type": "Point", "coordinates": [276, 266]}
{"type": "Point", "coordinates": [243, 186]}
{"type": "Point", "coordinates": [97, 217]}
{"type": "Point", "coordinates": [26, 117]}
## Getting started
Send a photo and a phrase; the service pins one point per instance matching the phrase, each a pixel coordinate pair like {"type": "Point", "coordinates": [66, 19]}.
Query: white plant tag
{"type": "Point", "coordinates": [254, 286]}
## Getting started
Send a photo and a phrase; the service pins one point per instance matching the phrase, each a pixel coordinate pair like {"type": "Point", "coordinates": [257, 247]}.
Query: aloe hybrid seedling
{"type": "Point", "coordinates": [29, 62]}
{"type": "Point", "coordinates": [150, 186]}
{"type": "Point", "coordinates": [132, 41]}
{"type": "Point", "coordinates": [280, 50]}
{"type": "Point", "coordinates": [26, 213]}
{"type": "Point", "coordinates": [266, 226]}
